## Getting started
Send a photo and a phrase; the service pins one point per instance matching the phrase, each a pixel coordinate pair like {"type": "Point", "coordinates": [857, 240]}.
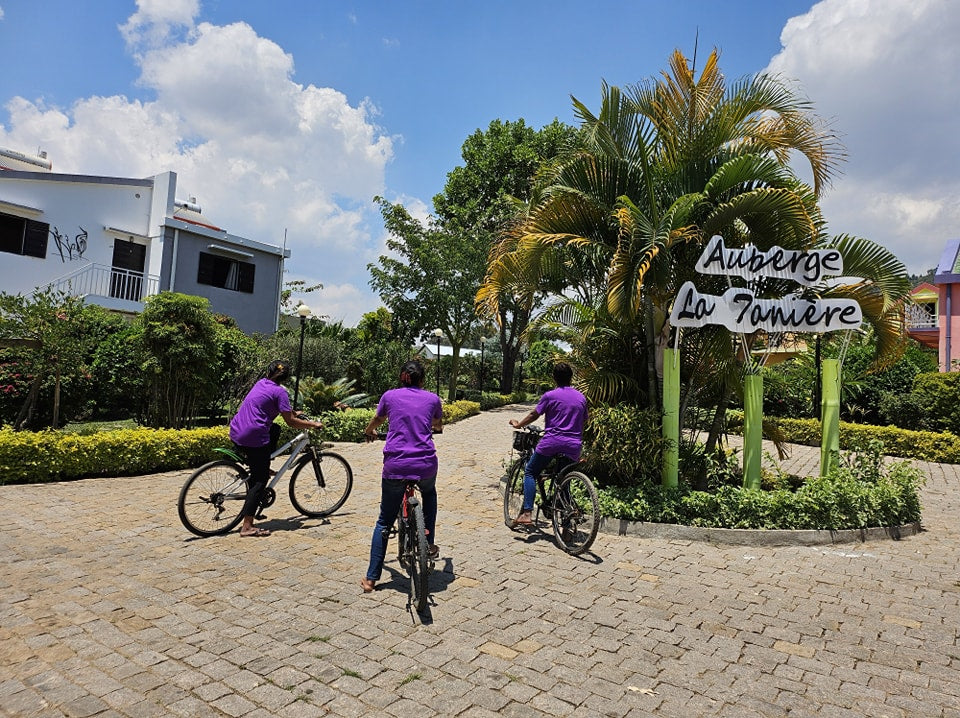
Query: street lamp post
{"type": "Point", "coordinates": [303, 311]}
{"type": "Point", "coordinates": [438, 333]}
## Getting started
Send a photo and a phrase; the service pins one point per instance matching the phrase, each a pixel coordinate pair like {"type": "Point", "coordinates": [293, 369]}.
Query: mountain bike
{"type": "Point", "coordinates": [211, 500]}
{"type": "Point", "coordinates": [565, 495]}
{"type": "Point", "coordinates": [413, 548]}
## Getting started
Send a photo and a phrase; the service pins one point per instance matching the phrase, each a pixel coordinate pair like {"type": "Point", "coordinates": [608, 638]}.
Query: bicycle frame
{"type": "Point", "coordinates": [299, 442]}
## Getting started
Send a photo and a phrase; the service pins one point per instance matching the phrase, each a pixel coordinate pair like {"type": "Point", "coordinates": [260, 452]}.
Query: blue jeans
{"type": "Point", "coordinates": [391, 498]}
{"type": "Point", "coordinates": [538, 462]}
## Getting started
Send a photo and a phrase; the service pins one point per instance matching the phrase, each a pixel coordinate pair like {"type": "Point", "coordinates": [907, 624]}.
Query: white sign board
{"type": "Point", "coordinates": [741, 311]}
{"type": "Point", "coordinates": [806, 267]}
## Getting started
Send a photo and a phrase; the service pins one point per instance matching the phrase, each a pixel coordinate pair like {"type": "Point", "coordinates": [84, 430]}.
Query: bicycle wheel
{"type": "Point", "coordinates": [513, 493]}
{"type": "Point", "coordinates": [417, 560]}
{"type": "Point", "coordinates": [576, 512]}
{"type": "Point", "coordinates": [211, 500]}
{"type": "Point", "coordinates": [316, 495]}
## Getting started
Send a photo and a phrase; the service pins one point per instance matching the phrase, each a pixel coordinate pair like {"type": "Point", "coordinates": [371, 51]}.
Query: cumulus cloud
{"type": "Point", "coordinates": [886, 75]}
{"type": "Point", "coordinates": [264, 155]}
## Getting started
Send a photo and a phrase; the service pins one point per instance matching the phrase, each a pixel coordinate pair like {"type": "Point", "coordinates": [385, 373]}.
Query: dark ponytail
{"type": "Point", "coordinates": [278, 371]}
{"type": "Point", "coordinates": [411, 374]}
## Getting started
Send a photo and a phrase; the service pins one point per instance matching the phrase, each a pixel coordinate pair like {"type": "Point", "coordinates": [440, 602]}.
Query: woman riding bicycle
{"type": "Point", "coordinates": [565, 412]}
{"type": "Point", "coordinates": [409, 454]}
{"type": "Point", "coordinates": [253, 430]}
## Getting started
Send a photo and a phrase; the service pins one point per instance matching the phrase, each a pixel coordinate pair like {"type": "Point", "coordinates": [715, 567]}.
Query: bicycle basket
{"type": "Point", "coordinates": [525, 440]}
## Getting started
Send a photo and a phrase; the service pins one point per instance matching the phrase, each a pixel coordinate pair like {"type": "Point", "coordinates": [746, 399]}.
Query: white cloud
{"type": "Point", "coordinates": [261, 153]}
{"type": "Point", "coordinates": [1, 13]}
{"type": "Point", "coordinates": [155, 20]}
{"type": "Point", "coordinates": [886, 75]}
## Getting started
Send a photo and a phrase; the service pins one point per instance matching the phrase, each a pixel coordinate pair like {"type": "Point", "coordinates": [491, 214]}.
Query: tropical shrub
{"type": "Point", "coordinates": [939, 396]}
{"type": "Point", "coordinates": [623, 445]}
{"type": "Point", "coordinates": [860, 493]}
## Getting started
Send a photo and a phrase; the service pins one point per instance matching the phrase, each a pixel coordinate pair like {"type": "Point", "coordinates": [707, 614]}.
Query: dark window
{"type": "Point", "coordinates": [23, 236]}
{"type": "Point", "coordinates": [226, 273]}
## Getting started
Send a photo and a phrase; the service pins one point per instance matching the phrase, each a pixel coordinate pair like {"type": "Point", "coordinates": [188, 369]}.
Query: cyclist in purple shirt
{"type": "Point", "coordinates": [565, 412]}
{"type": "Point", "coordinates": [408, 454]}
{"type": "Point", "coordinates": [253, 430]}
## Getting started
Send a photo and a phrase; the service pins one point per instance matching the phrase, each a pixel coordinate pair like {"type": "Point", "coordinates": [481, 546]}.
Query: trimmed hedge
{"type": "Point", "coordinates": [52, 456]}
{"type": "Point", "coordinates": [43, 456]}
{"type": "Point", "coordinates": [938, 447]}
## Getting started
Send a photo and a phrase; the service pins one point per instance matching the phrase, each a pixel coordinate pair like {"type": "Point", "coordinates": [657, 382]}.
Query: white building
{"type": "Point", "coordinates": [116, 241]}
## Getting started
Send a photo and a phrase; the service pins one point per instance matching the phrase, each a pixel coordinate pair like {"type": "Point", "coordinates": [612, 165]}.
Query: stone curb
{"type": "Point", "coordinates": [753, 537]}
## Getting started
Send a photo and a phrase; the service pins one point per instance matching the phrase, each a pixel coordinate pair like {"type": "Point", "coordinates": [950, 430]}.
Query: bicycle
{"type": "Point", "coordinates": [412, 546]}
{"type": "Point", "coordinates": [565, 495]}
{"type": "Point", "coordinates": [211, 500]}
{"type": "Point", "coordinates": [413, 552]}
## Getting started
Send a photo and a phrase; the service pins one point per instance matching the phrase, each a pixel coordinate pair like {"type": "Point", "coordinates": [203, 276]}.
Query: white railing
{"type": "Point", "coordinates": [100, 280]}
{"type": "Point", "coordinates": [917, 317]}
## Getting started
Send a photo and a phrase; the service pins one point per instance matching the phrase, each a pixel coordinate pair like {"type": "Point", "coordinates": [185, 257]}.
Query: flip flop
{"type": "Point", "coordinates": [367, 585]}
{"type": "Point", "coordinates": [256, 532]}
{"type": "Point", "coordinates": [522, 520]}
{"type": "Point", "coordinates": [433, 551]}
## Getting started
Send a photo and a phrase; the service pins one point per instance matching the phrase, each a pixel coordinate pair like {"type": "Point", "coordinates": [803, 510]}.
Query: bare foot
{"type": "Point", "coordinates": [367, 585]}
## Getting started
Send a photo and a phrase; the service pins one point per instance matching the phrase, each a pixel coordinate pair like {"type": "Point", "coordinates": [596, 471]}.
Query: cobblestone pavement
{"type": "Point", "coordinates": [108, 607]}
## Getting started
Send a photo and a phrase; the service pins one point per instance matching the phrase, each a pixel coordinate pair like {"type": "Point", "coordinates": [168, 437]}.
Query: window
{"type": "Point", "coordinates": [225, 273]}
{"type": "Point", "coordinates": [23, 236]}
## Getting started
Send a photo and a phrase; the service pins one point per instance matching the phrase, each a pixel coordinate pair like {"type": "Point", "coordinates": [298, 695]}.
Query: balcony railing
{"type": "Point", "coordinates": [99, 280]}
{"type": "Point", "coordinates": [917, 317]}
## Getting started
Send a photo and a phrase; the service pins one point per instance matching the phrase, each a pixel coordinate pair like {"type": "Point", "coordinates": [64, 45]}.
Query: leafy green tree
{"type": "Point", "coordinates": [49, 338]}
{"type": "Point", "coordinates": [431, 281]}
{"type": "Point", "coordinates": [490, 192]}
{"type": "Point", "coordinates": [179, 338]}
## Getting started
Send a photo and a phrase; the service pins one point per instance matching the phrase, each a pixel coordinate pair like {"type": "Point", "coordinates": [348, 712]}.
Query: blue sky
{"type": "Point", "coordinates": [291, 115]}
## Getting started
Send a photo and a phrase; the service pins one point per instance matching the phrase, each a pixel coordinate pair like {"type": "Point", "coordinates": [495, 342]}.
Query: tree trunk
{"type": "Point", "coordinates": [26, 411]}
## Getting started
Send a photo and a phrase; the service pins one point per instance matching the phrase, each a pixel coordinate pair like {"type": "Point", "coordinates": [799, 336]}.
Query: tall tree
{"type": "Point", "coordinates": [431, 279]}
{"type": "Point", "coordinates": [489, 192]}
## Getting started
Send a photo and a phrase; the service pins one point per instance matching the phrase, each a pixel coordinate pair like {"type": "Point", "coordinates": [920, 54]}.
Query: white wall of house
{"type": "Point", "coordinates": [86, 218]}
{"type": "Point", "coordinates": [87, 214]}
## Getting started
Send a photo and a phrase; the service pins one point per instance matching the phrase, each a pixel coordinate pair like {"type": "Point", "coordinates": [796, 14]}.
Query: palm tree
{"type": "Point", "coordinates": [619, 226]}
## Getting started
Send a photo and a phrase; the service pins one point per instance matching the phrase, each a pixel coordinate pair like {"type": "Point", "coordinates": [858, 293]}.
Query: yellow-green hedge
{"type": "Point", "coordinates": [35, 457]}
{"type": "Point", "coordinates": [940, 447]}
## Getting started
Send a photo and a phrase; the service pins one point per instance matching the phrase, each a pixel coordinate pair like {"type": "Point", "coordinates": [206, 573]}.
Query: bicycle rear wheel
{"type": "Point", "coordinates": [576, 512]}
{"type": "Point", "coordinates": [320, 494]}
{"type": "Point", "coordinates": [211, 500]}
{"type": "Point", "coordinates": [417, 560]}
{"type": "Point", "coordinates": [513, 493]}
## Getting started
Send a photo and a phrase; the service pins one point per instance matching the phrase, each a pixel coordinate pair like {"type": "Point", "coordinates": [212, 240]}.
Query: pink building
{"type": "Point", "coordinates": [934, 317]}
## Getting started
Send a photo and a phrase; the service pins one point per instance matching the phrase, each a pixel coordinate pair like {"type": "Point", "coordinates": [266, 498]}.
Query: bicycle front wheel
{"type": "Point", "coordinates": [513, 493]}
{"type": "Point", "coordinates": [576, 512]}
{"type": "Point", "coordinates": [417, 560]}
{"type": "Point", "coordinates": [319, 493]}
{"type": "Point", "coordinates": [211, 500]}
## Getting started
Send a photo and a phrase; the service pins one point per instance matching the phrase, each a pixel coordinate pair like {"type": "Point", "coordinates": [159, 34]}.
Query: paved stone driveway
{"type": "Point", "coordinates": [108, 607]}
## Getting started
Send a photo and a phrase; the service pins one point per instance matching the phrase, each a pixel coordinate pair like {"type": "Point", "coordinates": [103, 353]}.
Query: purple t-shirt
{"type": "Point", "coordinates": [565, 411]}
{"type": "Point", "coordinates": [262, 404]}
{"type": "Point", "coordinates": [409, 452]}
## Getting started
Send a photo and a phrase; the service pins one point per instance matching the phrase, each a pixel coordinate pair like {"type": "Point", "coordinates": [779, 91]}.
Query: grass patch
{"type": "Point", "coordinates": [409, 679]}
